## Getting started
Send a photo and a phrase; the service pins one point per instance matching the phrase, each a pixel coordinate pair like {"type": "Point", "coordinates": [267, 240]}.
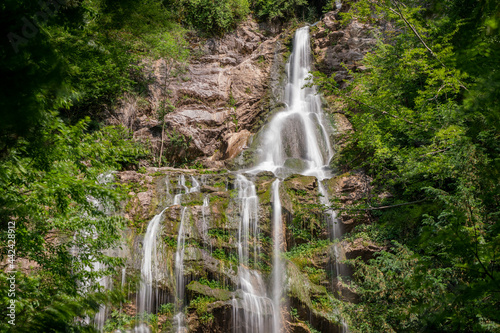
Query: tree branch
{"type": "Point", "coordinates": [381, 111]}
{"type": "Point", "coordinates": [415, 32]}
{"type": "Point", "coordinates": [381, 207]}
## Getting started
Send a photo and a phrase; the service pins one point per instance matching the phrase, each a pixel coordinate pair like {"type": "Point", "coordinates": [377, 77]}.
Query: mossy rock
{"type": "Point", "coordinates": [296, 164]}
{"type": "Point", "coordinates": [195, 288]}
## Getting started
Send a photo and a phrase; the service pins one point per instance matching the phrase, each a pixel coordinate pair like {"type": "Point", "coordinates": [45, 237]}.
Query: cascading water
{"type": "Point", "coordinates": [253, 309]}
{"type": "Point", "coordinates": [335, 234]}
{"type": "Point", "coordinates": [297, 140]}
{"type": "Point", "coordinates": [147, 295]}
{"type": "Point", "coordinates": [179, 254]}
{"type": "Point", "coordinates": [277, 264]}
{"type": "Point", "coordinates": [179, 271]}
{"type": "Point", "coordinates": [81, 253]}
{"type": "Point", "coordinates": [204, 213]}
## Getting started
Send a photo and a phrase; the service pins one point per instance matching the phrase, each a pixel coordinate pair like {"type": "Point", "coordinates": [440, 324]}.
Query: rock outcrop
{"type": "Point", "coordinates": [219, 102]}
{"type": "Point", "coordinates": [339, 48]}
{"type": "Point", "coordinates": [214, 104]}
{"type": "Point", "coordinates": [210, 231]}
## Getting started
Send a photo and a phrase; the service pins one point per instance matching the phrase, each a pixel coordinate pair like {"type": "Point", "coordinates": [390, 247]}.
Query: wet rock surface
{"type": "Point", "coordinates": [210, 262]}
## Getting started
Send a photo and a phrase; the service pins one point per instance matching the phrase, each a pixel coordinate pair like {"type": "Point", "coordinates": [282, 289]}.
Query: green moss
{"type": "Point", "coordinates": [220, 234]}
{"type": "Point", "coordinates": [171, 242]}
{"type": "Point", "coordinates": [308, 249]}
{"type": "Point", "coordinates": [265, 195]}
{"type": "Point", "coordinates": [200, 304]}
{"type": "Point", "coordinates": [213, 284]}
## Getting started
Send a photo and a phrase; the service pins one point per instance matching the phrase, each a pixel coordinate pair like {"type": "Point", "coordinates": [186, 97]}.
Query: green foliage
{"type": "Point", "coordinates": [294, 313]}
{"type": "Point", "coordinates": [178, 140]}
{"type": "Point", "coordinates": [200, 304]}
{"type": "Point", "coordinates": [315, 275]}
{"type": "Point", "coordinates": [305, 224]}
{"type": "Point", "coordinates": [277, 9]}
{"type": "Point", "coordinates": [119, 321]}
{"type": "Point", "coordinates": [214, 284]}
{"type": "Point", "coordinates": [222, 235]}
{"type": "Point", "coordinates": [212, 16]}
{"type": "Point", "coordinates": [50, 184]}
{"type": "Point", "coordinates": [167, 309]}
{"type": "Point", "coordinates": [395, 289]}
{"type": "Point", "coordinates": [207, 318]}
{"type": "Point", "coordinates": [307, 249]}
{"type": "Point", "coordinates": [165, 108]}
{"type": "Point", "coordinates": [82, 57]}
{"type": "Point", "coordinates": [426, 129]}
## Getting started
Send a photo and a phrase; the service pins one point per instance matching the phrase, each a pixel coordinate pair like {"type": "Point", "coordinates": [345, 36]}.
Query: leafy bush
{"type": "Point", "coordinates": [426, 130]}
{"type": "Point", "coordinates": [280, 9]}
{"type": "Point", "coordinates": [213, 16]}
{"type": "Point", "coordinates": [52, 186]}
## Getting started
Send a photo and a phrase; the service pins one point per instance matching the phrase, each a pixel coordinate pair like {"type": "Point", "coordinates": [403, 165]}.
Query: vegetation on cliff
{"type": "Point", "coordinates": [65, 64]}
{"type": "Point", "coordinates": [426, 128]}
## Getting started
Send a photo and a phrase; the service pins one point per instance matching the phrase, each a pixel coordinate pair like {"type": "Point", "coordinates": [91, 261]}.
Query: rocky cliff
{"type": "Point", "coordinates": [215, 103]}
{"type": "Point", "coordinates": [221, 100]}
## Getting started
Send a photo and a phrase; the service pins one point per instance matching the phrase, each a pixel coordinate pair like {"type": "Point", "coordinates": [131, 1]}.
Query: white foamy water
{"type": "Point", "coordinates": [253, 309]}
{"type": "Point", "coordinates": [296, 140]}
{"type": "Point", "coordinates": [278, 269]}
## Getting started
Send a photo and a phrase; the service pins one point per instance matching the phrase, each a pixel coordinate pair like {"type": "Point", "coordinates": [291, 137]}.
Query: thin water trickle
{"type": "Point", "coordinates": [253, 309]}
{"type": "Point", "coordinates": [278, 271]}
{"type": "Point", "coordinates": [179, 260]}
{"type": "Point", "coordinates": [195, 185]}
{"type": "Point", "coordinates": [149, 269]}
{"type": "Point", "coordinates": [204, 212]}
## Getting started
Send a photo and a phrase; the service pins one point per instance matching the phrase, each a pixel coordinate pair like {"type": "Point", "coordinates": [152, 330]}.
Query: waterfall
{"type": "Point", "coordinates": [205, 212]}
{"type": "Point", "coordinates": [147, 296]}
{"type": "Point", "coordinates": [179, 254]}
{"type": "Point", "coordinates": [335, 233]}
{"type": "Point", "coordinates": [179, 271]}
{"type": "Point", "coordinates": [252, 311]}
{"type": "Point", "coordinates": [81, 253]}
{"type": "Point", "coordinates": [149, 271]}
{"type": "Point", "coordinates": [105, 283]}
{"type": "Point", "coordinates": [278, 266]}
{"type": "Point", "coordinates": [296, 140]}
{"type": "Point", "coordinates": [195, 185]}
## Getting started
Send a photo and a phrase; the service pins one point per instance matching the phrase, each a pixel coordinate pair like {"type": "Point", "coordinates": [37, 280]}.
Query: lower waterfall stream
{"type": "Point", "coordinates": [295, 141]}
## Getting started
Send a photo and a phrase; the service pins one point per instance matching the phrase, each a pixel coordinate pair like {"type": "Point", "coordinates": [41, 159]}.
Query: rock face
{"type": "Point", "coordinates": [210, 214]}
{"type": "Point", "coordinates": [219, 103]}
{"type": "Point", "coordinates": [350, 189]}
{"type": "Point", "coordinates": [340, 48]}
{"type": "Point", "coordinates": [214, 105]}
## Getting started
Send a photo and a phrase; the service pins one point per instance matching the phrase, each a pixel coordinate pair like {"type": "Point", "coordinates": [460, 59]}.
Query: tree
{"type": "Point", "coordinates": [426, 127]}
